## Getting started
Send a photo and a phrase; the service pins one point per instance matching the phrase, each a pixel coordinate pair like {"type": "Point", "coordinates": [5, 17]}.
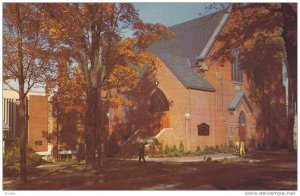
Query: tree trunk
{"type": "Point", "coordinates": [23, 136]}
{"type": "Point", "coordinates": [269, 130]}
{"type": "Point", "coordinates": [99, 138]}
{"type": "Point", "coordinates": [91, 124]}
{"type": "Point", "coordinates": [290, 27]}
{"type": "Point", "coordinates": [291, 117]}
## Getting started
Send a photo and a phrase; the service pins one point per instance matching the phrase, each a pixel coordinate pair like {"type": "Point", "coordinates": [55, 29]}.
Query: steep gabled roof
{"type": "Point", "coordinates": [181, 68]}
{"type": "Point", "coordinates": [237, 99]}
{"type": "Point", "coordinates": [191, 37]}
{"type": "Point", "coordinates": [181, 52]}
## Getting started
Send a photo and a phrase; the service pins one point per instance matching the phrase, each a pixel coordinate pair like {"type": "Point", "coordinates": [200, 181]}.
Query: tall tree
{"type": "Point", "coordinates": [289, 13]}
{"type": "Point", "coordinates": [266, 36]}
{"type": "Point", "coordinates": [100, 38]}
{"type": "Point", "coordinates": [25, 59]}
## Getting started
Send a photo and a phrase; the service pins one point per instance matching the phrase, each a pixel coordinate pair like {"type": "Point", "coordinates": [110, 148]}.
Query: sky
{"type": "Point", "coordinates": [171, 13]}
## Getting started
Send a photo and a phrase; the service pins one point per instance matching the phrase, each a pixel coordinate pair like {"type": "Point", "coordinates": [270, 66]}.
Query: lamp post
{"type": "Point", "coordinates": [187, 118]}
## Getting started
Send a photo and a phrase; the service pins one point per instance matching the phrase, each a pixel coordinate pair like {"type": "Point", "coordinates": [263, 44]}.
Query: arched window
{"type": "Point", "coordinates": [159, 102]}
{"type": "Point", "coordinates": [236, 72]}
{"type": "Point", "coordinates": [203, 129]}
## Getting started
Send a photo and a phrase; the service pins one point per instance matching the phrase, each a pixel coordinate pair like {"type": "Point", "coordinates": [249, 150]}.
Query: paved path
{"type": "Point", "coordinates": [218, 156]}
{"type": "Point", "coordinates": [214, 157]}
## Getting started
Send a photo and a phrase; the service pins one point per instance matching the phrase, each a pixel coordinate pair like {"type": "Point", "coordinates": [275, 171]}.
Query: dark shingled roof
{"type": "Point", "coordinates": [190, 39]}
{"type": "Point", "coordinates": [181, 68]}
{"type": "Point", "coordinates": [237, 99]}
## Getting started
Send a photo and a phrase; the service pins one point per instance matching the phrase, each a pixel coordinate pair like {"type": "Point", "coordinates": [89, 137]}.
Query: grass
{"type": "Point", "coordinates": [237, 174]}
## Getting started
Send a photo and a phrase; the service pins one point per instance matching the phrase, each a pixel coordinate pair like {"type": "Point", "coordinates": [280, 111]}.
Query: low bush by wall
{"type": "Point", "coordinates": [159, 150]}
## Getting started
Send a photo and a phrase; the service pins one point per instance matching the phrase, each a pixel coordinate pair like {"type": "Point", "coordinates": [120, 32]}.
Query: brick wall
{"type": "Point", "coordinates": [38, 123]}
{"type": "Point", "coordinates": [186, 101]}
{"type": "Point", "coordinates": [226, 124]}
{"type": "Point", "coordinates": [176, 93]}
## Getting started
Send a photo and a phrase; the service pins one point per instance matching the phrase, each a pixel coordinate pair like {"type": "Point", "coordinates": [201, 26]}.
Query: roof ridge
{"type": "Point", "coordinates": [202, 17]}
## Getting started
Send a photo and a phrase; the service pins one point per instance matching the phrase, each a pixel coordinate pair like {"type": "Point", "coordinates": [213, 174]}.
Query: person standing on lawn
{"type": "Point", "coordinates": [142, 152]}
{"type": "Point", "coordinates": [141, 141]}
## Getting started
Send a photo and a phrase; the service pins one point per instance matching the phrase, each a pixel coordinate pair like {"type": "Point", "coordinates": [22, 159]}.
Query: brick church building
{"type": "Point", "coordinates": [210, 101]}
{"type": "Point", "coordinates": [191, 98]}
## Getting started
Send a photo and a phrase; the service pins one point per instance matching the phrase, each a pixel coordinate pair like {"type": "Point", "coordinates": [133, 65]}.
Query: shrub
{"type": "Point", "coordinates": [222, 149]}
{"type": "Point", "coordinates": [211, 150]}
{"type": "Point", "coordinates": [189, 153]}
{"type": "Point", "coordinates": [198, 151]}
{"type": "Point", "coordinates": [231, 144]}
{"type": "Point", "coordinates": [175, 148]}
{"type": "Point", "coordinates": [160, 151]}
{"type": "Point", "coordinates": [34, 159]}
{"type": "Point", "coordinates": [11, 160]}
{"type": "Point", "coordinates": [175, 151]}
{"type": "Point", "coordinates": [206, 151]}
{"type": "Point", "coordinates": [229, 148]}
{"type": "Point", "coordinates": [181, 148]}
{"type": "Point", "coordinates": [167, 150]}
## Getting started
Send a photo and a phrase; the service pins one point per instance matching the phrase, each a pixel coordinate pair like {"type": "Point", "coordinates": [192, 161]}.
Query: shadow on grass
{"type": "Point", "coordinates": [273, 172]}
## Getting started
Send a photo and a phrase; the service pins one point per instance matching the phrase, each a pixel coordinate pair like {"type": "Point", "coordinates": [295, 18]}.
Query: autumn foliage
{"type": "Point", "coordinates": [104, 46]}
{"type": "Point", "coordinates": [26, 59]}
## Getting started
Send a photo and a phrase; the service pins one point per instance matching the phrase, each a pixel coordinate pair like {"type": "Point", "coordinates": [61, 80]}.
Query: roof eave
{"type": "Point", "coordinates": [214, 36]}
{"type": "Point", "coordinates": [202, 89]}
{"type": "Point", "coordinates": [233, 108]}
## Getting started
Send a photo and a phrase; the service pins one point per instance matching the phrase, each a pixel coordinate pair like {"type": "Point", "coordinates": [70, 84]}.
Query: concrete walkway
{"type": "Point", "coordinates": [214, 157]}
{"type": "Point", "coordinates": [219, 156]}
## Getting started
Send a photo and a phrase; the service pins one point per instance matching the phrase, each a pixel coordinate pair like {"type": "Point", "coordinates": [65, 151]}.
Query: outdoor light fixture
{"type": "Point", "coordinates": [187, 115]}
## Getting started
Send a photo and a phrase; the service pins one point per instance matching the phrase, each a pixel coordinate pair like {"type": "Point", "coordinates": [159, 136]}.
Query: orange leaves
{"type": "Point", "coordinates": [83, 28]}
{"type": "Point", "coordinates": [129, 50]}
{"type": "Point", "coordinates": [148, 59]}
{"type": "Point", "coordinates": [123, 77]}
{"type": "Point", "coordinates": [114, 101]}
{"type": "Point", "coordinates": [54, 28]}
{"type": "Point", "coordinates": [148, 33]}
{"type": "Point", "coordinates": [71, 94]}
{"type": "Point", "coordinates": [126, 48]}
